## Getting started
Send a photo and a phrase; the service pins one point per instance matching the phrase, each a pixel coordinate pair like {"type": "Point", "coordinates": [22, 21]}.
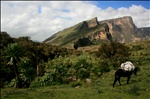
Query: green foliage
{"type": "Point", "coordinates": [101, 88]}
{"type": "Point", "coordinates": [47, 79]}
{"type": "Point", "coordinates": [6, 72]}
{"type": "Point", "coordinates": [58, 65]}
{"type": "Point", "coordinates": [63, 69]}
{"type": "Point", "coordinates": [27, 71]}
{"type": "Point", "coordinates": [57, 69]}
{"type": "Point", "coordinates": [13, 52]}
{"type": "Point", "coordinates": [82, 67]}
{"type": "Point", "coordinates": [12, 83]}
{"type": "Point", "coordinates": [104, 67]}
{"type": "Point", "coordinates": [82, 42]}
{"type": "Point", "coordinates": [114, 52]}
{"type": "Point", "coordinates": [5, 39]}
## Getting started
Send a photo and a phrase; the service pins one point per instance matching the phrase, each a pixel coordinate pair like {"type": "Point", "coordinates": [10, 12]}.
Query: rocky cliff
{"type": "Point", "coordinates": [124, 30]}
{"type": "Point", "coordinates": [89, 23]}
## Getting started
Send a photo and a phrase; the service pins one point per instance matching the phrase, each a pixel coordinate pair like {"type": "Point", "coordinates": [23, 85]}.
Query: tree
{"type": "Point", "coordinates": [5, 39]}
{"type": "Point", "coordinates": [82, 42]}
{"type": "Point", "coordinates": [13, 53]}
{"type": "Point", "coordinates": [75, 46]}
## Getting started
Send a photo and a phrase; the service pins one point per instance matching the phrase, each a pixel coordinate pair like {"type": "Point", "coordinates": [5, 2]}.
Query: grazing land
{"type": "Point", "coordinates": [99, 87]}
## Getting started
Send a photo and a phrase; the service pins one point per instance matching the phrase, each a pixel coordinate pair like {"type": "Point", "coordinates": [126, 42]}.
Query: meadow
{"type": "Point", "coordinates": [99, 87]}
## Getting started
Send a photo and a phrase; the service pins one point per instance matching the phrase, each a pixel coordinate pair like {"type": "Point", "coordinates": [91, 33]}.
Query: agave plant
{"type": "Point", "coordinates": [27, 72]}
{"type": "Point", "coordinates": [13, 53]}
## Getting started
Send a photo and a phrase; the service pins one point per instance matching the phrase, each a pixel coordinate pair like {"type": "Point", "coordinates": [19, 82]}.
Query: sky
{"type": "Point", "coordinates": [41, 19]}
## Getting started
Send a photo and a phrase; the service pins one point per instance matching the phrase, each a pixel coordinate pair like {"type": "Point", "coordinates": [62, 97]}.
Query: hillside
{"type": "Point", "coordinates": [91, 29]}
{"type": "Point", "coordinates": [120, 29]}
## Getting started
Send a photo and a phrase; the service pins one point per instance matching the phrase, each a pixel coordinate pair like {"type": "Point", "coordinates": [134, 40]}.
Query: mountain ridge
{"type": "Point", "coordinates": [120, 29]}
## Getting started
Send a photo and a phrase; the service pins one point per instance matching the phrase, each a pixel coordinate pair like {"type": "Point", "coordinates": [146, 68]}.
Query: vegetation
{"type": "Point", "coordinates": [82, 42]}
{"type": "Point", "coordinates": [113, 53]}
{"type": "Point", "coordinates": [38, 70]}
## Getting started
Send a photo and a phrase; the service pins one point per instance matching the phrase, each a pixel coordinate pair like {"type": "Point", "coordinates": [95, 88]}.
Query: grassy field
{"type": "Point", "coordinates": [99, 88]}
{"type": "Point", "coordinates": [139, 88]}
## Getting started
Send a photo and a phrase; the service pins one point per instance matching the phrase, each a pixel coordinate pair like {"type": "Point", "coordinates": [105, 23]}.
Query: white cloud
{"type": "Point", "coordinates": [23, 18]}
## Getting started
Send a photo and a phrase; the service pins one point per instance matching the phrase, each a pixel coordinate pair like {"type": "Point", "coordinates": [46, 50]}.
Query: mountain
{"type": "Point", "coordinates": [119, 29]}
{"type": "Point", "coordinates": [124, 30]}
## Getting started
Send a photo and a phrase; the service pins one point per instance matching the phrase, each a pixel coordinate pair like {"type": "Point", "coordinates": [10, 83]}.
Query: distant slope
{"type": "Point", "coordinates": [120, 29]}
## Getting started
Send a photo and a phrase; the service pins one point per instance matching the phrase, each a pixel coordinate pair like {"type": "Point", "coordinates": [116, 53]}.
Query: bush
{"type": "Point", "coordinates": [113, 52]}
{"type": "Point", "coordinates": [82, 67]}
{"type": "Point", "coordinates": [82, 42]}
{"type": "Point", "coordinates": [104, 67]}
{"type": "Point", "coordinates": [47, 79]}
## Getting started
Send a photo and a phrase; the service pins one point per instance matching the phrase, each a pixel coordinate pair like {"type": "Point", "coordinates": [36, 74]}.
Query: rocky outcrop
{"type": "Point", "coordinates": [89, 23]}
{"type": "Point", "coordinates": [92, 23]}
{"type": "Point", "coordinates": [121, 29]}
{"type": "Point", "coordinates": [98, 35]}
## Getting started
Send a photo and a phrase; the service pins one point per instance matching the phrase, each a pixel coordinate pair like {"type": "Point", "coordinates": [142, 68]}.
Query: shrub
{"type": "Point", "coordinates": [82, 67]}
{"type": "Point", "coordinates": [82, 42]}
{"type": "Point", "coordinates": [104, 67]}
{"type": "Point", "coordinates": [113, 52]}
{"type": "Point", "coordinates": [47, 79]}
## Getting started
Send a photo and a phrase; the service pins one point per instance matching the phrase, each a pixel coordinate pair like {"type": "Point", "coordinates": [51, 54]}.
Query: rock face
{"type": "Point", "coordinates": [143, 33]}
{"type": "Point", "coordinates": [121, 29]}
{"type": "Point", "coordinates": [124, 30]}
{"type": "Point", "coordinates": [102, 34]}
{"type": "Point", "coordinates": [92, 23]}
{"type": "Point", "coordinates": [89, 23]}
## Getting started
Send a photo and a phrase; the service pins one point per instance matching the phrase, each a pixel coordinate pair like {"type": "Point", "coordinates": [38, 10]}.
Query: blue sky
{"type": "Point", "coordinates": [118, 4]}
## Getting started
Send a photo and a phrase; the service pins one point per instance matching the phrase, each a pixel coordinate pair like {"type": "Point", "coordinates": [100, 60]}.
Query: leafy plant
{"type": "Point", "coordinates": [47, 79]}
{"type": "Point", "coordinates": [82, 67]}
{"type": "Point", "coordinates": [13, 53]}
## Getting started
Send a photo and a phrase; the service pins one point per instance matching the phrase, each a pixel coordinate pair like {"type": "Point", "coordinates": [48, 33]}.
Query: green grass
{"type": "Point", "coordinates": [138, 88]}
